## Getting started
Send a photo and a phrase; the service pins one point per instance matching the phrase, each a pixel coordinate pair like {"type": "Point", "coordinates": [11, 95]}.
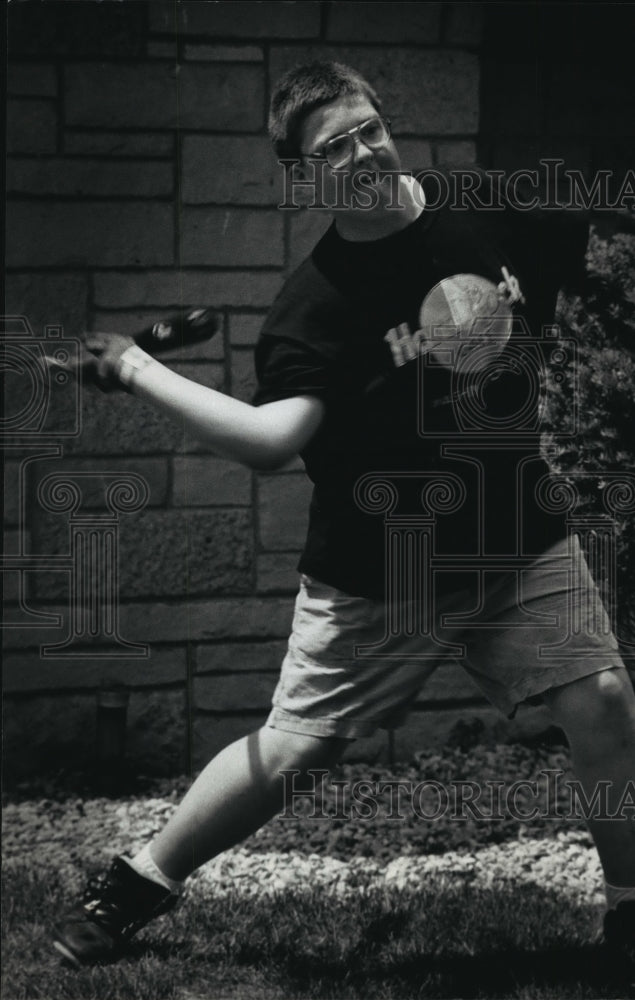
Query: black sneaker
{"type": "Point", "coordinates": [619, 934]}
{"type": "Point", "coordinates": [116, 905]}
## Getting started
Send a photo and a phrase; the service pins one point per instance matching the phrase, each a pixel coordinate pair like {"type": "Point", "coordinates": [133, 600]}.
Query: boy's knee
{"type": "Point", "coordinates": [614, 689]}
{"type": "Point", "coordinates": [605, 698]}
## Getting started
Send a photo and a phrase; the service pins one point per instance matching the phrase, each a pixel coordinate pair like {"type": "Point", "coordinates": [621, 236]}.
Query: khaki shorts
{"type": "Point", "coordinates": [354, 665]}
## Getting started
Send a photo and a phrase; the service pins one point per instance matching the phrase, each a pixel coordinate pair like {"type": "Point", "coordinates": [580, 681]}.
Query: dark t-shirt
{"type": "Point", "coordinates": [346, 329]}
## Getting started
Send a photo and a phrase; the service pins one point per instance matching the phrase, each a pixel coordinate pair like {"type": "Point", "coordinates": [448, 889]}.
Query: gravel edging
{"type": "Point", "coordinates": [564, 866]}
{"type": "Point", "coordinates": [336, 855]}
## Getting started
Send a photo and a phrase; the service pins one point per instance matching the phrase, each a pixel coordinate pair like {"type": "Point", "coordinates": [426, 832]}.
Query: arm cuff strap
{"type": "Point", "coordinates": [132, 361]}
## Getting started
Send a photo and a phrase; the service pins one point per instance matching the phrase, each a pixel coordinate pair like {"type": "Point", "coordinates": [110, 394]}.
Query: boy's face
{"type": "Point", "coordinates": [335, 119]}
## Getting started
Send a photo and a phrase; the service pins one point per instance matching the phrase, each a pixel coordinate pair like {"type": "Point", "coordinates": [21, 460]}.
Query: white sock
{"type": "Point", "coordinates": [618, 894]}
{"type": "Point", "coordinates": [144, 864]}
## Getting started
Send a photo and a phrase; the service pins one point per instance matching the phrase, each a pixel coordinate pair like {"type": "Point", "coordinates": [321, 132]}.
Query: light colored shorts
{"type": "Point", "coordinates": [354, 665]}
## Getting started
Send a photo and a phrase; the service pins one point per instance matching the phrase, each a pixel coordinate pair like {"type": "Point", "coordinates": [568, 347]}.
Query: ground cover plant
{"type": "Point", "coordinates": [328, 908]}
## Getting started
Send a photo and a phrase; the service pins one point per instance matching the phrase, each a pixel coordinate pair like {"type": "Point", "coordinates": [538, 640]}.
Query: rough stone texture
{"type": "Point", "coordinates": [425, 91]}
{"type": "Point", "coordinates": [212, 733]}
{"type": "Point", "coordinates": [244, 328]}
{"type": "Point", "coordinates": [24, 631]}
{"type": "Point", "coordinates": [234, 692]}
{"type": "Point", "coordinates": [41, 405]}
{"type": "Point", "coordinates": [16, 585]}
{"type": "Point", "coordinates": [208, 482]}
{"type": "Point", "coordinates": [31, 80]}
{"type": "Point", "coordinates": [13, 541]}
{"type": "Point", "coordinates": [235, 657]}
{"type": "Point", "coordinates": [81, 178]}
{"type": "Point", "coordinates": [456, 152]}
{"type": "Point", "coordinates": [11, 581]}
{"type": "Point", "coordinates": [170, 553]}
{"type": "Point", "coordinates": [183, 288]}
{"type": "Point", "coordinates": [60, 299]}
{"type": "Point", "coordinates": [255, 20]}
{"type": "Point", "coordinates": [203, 621]}
{"type": "Point", "coordinates": [305, 229]}
{"type": "Point", "coordinates": [11, 491]}
{"type": "Point", "coordinates": [230, 169]}
{"type": "Point", "coordinates": [132, 427]}
{"type": "Point", "coordinates": [122, 426]}
{"type": "Point", "coordinates": [31, 127]}
{"type": "Point", "coordinates": [211, 96]}
{"type": "Point", "coordinates": [163, 50]}
{"type": "Point", "coordinates": [416, 154]}
{"type": "Point", "coordinates": [61, 731]}
{"type": "Point", "coordinates": [464, 25]}
{"type": "Point", "coordinates": [278, 573]}
{"type": "Point", "coordinates": [157, 737]}
{"type": "Point", "coordinates": [110, 144]}
{"type": "Point", "coordinates": [231, 237]}
{"type": "Point", "coordinates": [187, 553]}
{"type": "Point", "coordinates": [224, 53]}
{"type": "Point", "coordinates": [29, 672]}
{"type": "Point", "coordinates": [243, 375]}
{"type": "Point", "coordinates": [77, 29]}
{"type": "Point", "coordinates": [283, 503]}
{"type": "Point", "coordinates": [248, 618]}
{"type": "Point", "coordinates": [17, 540]}
{"type": "Point", "coordinates": [383, 22]}
{"type": "Point", "coordinates": [101, 472]}
{"type": "Point", "coordinates": [89, 234]}
{"type": "Point", "coordinates": [57, 729]}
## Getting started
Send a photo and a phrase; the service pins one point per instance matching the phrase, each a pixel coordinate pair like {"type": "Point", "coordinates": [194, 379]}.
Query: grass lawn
{"type": "Point", "coordinates": [463, 941]}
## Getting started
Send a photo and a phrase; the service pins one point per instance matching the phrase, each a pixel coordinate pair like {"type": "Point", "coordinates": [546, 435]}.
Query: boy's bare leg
{"type": "Point", "coordinates": [598, 715]}
{"type": "Point", "coordinates": [239, 790]}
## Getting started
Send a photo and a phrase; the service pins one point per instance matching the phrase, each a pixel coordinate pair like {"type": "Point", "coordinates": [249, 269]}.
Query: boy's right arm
{"type": "Point", "coordinates": [261, 437]}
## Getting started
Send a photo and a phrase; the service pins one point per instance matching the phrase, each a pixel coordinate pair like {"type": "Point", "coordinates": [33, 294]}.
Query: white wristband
{"type": "Point", "coordinates": [132, 360]}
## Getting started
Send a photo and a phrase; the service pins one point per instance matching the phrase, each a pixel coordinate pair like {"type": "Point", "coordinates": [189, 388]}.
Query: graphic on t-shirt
{"type": "Point", "coordinates": [465, 322]}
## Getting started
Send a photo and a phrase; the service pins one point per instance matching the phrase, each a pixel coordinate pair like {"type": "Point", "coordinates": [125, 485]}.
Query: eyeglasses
{"type": "Point", "coordinates": [339, 150]}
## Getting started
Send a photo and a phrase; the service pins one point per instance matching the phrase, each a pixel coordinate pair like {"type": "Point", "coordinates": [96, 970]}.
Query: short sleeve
{"type": "Point", "coordinates": [301, 338]}
{"type": "Point", "coordinates": [286, 368]}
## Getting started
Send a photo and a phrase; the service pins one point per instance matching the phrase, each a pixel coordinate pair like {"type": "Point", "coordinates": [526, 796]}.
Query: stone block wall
{"type": "Point", "coordinates": [141, 181]}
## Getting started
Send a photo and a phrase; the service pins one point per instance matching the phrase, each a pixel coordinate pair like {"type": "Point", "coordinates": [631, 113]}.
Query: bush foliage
{"type": "Point", "coordinates": [600, 316]}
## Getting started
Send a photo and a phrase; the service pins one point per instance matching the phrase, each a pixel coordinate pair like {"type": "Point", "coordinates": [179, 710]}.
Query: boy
{"type": "Point", "coordinates": [356, 375]}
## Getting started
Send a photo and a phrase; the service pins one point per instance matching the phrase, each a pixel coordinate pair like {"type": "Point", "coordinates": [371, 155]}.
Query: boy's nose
{"type": "Point", "coordinates": [362, 153]}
